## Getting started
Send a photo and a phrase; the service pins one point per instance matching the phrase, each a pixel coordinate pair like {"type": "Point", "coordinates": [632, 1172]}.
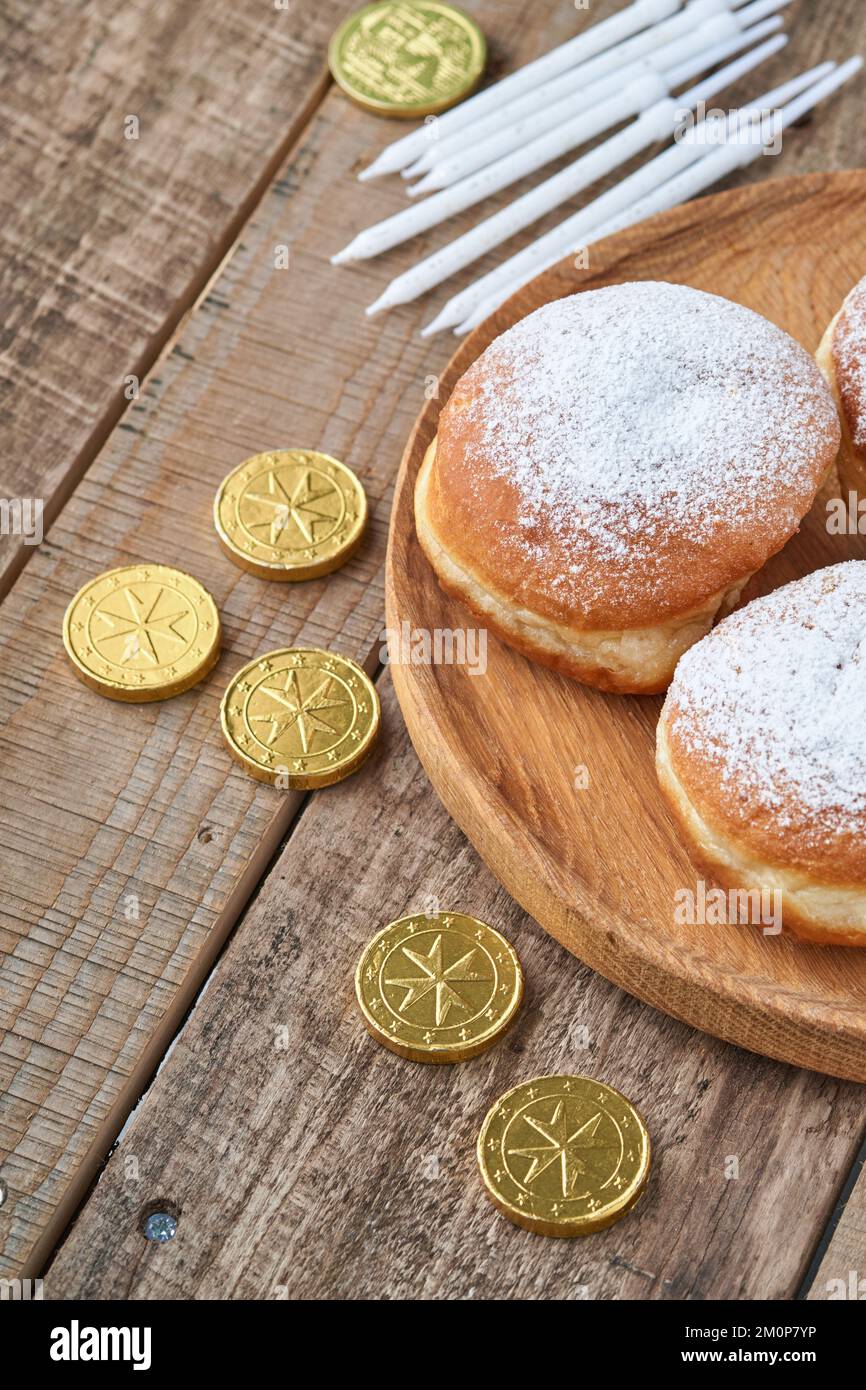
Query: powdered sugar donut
{"type": "Point", "coordinates": [611, 471]}
{"type": "Point", "coordinates": [760, 752]}
{"type": "Point", "coordinates": [842, 359]}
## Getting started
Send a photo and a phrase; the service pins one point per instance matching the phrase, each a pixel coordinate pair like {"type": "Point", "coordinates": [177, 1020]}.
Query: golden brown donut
{"type": "Point", "coordinates": [611, 471]}
{"type": "Point", "coordinates": [760, 752]}
{"type": "Point", "coordinates": [842, 358]}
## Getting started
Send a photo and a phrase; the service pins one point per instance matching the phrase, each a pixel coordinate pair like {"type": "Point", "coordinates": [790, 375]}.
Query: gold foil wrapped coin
{"type": "Point", "coordinates": [142, 632]}
{"type": "Point", "coordinates": [300, 717]}
{"type": "Point", "coordinates": [440, 988]}
{"type": "Point", "coordinates": [564, 1155]}
{"type": "Point", "coordinates": [407, 57]}
{"type": "Point", "coordinates": [290, 514]}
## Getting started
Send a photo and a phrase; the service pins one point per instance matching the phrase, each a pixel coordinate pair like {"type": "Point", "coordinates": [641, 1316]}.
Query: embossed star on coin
{"type": "Point", "coordinates": [407, 57]}
{"type": "Point", "coordinates": [291, 514]}
{"type": "Point", "coordinates": [438, 988]}
{"type": "Point", "coordinates": [142, 632]}
{"type": "Point", "coordinates": [564, 1155]}
{"type": "Point", "coordinates": [300, 717]}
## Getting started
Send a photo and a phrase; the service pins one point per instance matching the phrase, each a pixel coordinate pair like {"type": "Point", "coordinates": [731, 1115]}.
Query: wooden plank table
{"type": "Point", "coordinates": [162, 913]}
{"type": "Point", "coordinates": [136, 144]}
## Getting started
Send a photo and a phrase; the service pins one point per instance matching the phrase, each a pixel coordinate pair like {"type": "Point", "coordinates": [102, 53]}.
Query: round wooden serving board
{"type": "Point", "coordinates": [599, 868]}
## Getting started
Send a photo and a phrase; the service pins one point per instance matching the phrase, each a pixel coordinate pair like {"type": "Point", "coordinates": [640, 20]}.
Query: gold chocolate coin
{"type": "Point", "coordinates": [438, 989]}
{"type": "Point", "coordinates": [291, 514]}
{"type": "Point", "coordinates": [407, 57]}
{"type": "Point", "coordinates": [142, 632]}
{"type": "Point", "coordinates": [300, 717]}
{"type": "Point", "coordinates": [563, 1155]}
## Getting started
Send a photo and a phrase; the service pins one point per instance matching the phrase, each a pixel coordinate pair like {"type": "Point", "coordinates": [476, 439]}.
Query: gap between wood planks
{"type": "Point", "coordinates": [850, 1209]}
{"type": "Point", "coordinates": [178, 1017]}
{"type": "Point", "coordinates": [196, 291]}
{"type": "Point", "coordinates": [161, 1041]}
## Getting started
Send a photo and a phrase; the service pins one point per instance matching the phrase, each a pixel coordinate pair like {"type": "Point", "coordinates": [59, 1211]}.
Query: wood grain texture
{"type": "Point", "coordinates": [111, 810]}
{"type": "Point", "coordinates": [841, 1272]}
{"type": "Point", "coordinates": [97, 807]}
{"type": "Point", "coordinates": [308, 1162]}
{"type": "Point", "coordinates": [790, 251]}
{"type": "Point", "coordinates": [105, 240]}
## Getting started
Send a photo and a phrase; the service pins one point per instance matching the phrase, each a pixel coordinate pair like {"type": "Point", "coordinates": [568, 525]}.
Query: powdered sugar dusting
{"type": "Point", "coordinates": [775, 698]}
{"type": "Point", "coordinates": [625, 414]}
{"type": "Point", "coordinates": [849, 342]}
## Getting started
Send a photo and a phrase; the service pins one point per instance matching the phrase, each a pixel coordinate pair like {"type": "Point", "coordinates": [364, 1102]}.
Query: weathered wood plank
{"type": "Point", "coordinates": [309, 1162]}
{"type": "Point", "coordinates": [841, 1272]}
{"type": "Point", "coordinates": [113, 809]}
{"type": "Point", "coordinates": [106, 240]}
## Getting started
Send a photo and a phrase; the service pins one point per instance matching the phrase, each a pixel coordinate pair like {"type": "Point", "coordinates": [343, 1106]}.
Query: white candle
{"type": "Point", "coordinates": [591, 41]}
{"type": "Point", "coordinates": [657, 123]}
{"type": "Point", "coordinates": [635, 97]}
{"type": "Point", "coordinates": [708, 169]}
{"type": "Point", "coordinates": [611, 60]}
{"type": "Point", "coordinates": [575, 230]}
{"type": "Point", "coordinates": [654, 124]}
{"type": "Point", "coordinates": [512, 134]}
